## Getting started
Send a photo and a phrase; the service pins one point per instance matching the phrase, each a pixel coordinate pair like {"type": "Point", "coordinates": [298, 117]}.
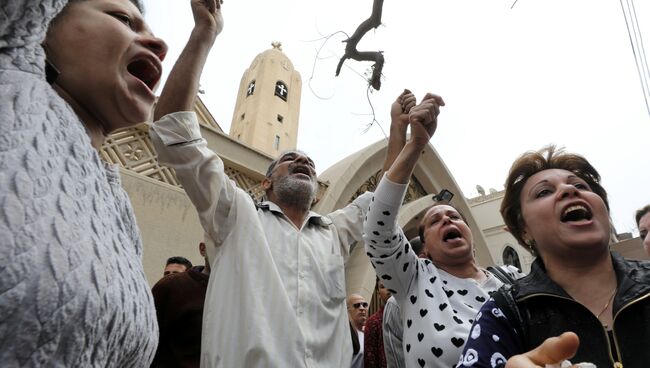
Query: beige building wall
{"type": "Point", "coordinates": [485, 209]}
{"type": "Point", "coordinates": [268, 104]}
{"type": "Point", "coordinates": [167, 220]}
{"type": "Point", "coordinates": [631, 248]}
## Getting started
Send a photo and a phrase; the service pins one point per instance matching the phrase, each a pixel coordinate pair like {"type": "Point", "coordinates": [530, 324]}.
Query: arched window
{"type": "Point", "coordinates": [250, 89]}
{"type": "Point", "coordinates": [281, 90]}
{"type": "Point", "coordinates": [510, 257]}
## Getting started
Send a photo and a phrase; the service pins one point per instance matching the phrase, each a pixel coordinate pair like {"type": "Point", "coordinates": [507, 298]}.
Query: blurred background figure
{"type": "Point", "coordinates": [643, 223]}
{"type": "Point", "coordinates": [179, 299]}
{"type": "Point", "coordinates": [373, 349]}
{"type": "Point", "coordinates": [392, 323]}
{"type": "Point", "coordinates": [358, 314]}
{"type": "Point", "coordinates": [176, 264]}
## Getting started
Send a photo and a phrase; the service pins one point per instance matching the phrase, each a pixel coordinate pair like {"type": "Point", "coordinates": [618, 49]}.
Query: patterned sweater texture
{"type": "Point", "coordinates": [72, 288]}
{"type": "Point", "coordinates": [438, 308]}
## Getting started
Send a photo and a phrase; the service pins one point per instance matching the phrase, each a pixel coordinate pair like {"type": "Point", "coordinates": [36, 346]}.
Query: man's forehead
{"type": "Point", "coordinates": [294, 154]}
{"type": "Point", "coordinates": [355, 298]}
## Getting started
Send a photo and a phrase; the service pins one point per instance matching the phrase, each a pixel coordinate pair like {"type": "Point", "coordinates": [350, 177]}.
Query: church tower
{"type": "Point", "coordinates": [268, 103]}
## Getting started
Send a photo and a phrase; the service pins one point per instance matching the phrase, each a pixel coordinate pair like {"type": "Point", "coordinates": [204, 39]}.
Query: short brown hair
{"type": "Point", "coordinates": [640, 213]}
{"type": "Point", "coordinates": [533, 162]}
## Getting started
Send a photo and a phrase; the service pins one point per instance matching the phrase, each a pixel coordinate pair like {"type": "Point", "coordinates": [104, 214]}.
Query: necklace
{"type": "Point", "coordinates": [606, 306]}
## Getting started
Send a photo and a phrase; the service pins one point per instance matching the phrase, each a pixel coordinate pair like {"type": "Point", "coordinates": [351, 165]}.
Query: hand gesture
{"type": "Point", "coordinates": [553, 350]}
{"type": "Point", "coordinates": [399, 110]}
{"type": "Point", "coordinates": [208, 18]}
{"type": "Point", "coordinates": [423, 118]}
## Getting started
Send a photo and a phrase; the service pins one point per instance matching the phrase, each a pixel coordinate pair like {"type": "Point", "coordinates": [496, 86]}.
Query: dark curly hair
{"type": "Point", "coordinates": [533, 162]}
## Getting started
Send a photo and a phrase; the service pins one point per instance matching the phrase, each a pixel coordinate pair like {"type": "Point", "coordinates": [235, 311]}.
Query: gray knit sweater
{"type": "Point", "coordinates": [72, 289]}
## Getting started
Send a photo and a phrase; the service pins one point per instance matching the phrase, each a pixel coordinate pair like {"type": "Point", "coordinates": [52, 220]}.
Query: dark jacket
{"type": "Point", "coordinates": [539, 308]}
{"type": "Point", "coordinates": [179, 300]}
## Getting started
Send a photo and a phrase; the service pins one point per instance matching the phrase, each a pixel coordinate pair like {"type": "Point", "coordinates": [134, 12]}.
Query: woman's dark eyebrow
{"type": "Point", "coordinates": [536, 185]}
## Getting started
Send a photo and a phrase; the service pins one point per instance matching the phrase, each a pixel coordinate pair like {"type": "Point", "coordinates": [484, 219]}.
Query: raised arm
{"type": "Point", "coordinates": [351, 229]}
{"type": "Point", "coordinates": [399, 121]}
{"type": "Point", "coordinates": [388, 250]}
{"type": "Point", "coordinates": [176, 135]}
{"type": "Point", "coordinates": [182, 84]}
{"type": "Point", "coordinates": [423, 119]}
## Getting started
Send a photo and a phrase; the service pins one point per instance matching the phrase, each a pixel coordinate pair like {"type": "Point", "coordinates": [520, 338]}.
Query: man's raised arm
{"type": "Point", "coordinates": [179, 92]}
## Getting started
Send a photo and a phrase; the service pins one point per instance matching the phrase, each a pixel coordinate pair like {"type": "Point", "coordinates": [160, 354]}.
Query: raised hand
{"type": "Point", "coordinates": [399, 110]}
{"type": "Point", "coordinates": [423, 118]}
{"type": "Point", "coordinates": [553, 350]}
{"type": "Point", "coordinates": [179, 93]}
{"type": "Point", "coordinates": [208, 18]}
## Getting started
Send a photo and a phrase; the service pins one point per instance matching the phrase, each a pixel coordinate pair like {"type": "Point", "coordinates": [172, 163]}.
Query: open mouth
{"type": "Point", "coordinates": [451, 234]}
{"type": "Point", "coordinates": [146, 70]}
{"type": "Point", "coordinates": [301, 170]}
{"type": "Point", "coordinates": [576, 212]}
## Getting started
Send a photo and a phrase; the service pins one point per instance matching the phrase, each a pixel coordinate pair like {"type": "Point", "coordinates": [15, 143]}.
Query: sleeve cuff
{"type": "Point", "coordinates": [177, 128]}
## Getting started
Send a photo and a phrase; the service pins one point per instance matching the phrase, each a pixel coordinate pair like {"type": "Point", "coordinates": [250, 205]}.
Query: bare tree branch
{"type": "Point", "coordinates": [351, 51]}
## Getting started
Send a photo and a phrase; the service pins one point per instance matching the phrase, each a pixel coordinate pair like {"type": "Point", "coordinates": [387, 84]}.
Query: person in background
{"type": "Point", "coordinates": [73, 291]}
{"type": "Point", "coordinates": [176, 264]}
{"type": "Point", "coordinates": [580, 301]}
{"type": "Point", "coordinates": [643, 223]}
{"type": "Point", "coordinates": [373, 350]}
{"type": "Point", "coordinates": [393, 329]}
{"type": "Point", "coordinates": [358, 315]}
{"type": "Point", "coordinates": [179, 299]}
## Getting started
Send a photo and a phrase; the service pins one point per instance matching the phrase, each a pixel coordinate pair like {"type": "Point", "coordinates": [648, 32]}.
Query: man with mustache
{"type": "Point", "coordinates": [279, 266]}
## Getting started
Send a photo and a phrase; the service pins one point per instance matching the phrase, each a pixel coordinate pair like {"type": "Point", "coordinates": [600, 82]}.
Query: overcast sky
{"type": "Point", "coordinates": [546, 71]}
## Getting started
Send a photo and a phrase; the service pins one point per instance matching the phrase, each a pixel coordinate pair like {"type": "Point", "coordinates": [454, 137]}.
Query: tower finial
{"type": "Point", "coordinates": [277, 45]}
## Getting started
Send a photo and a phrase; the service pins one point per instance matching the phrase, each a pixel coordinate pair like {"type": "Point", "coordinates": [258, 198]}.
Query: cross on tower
{"type": "Point", "coordinates": [282, 90]}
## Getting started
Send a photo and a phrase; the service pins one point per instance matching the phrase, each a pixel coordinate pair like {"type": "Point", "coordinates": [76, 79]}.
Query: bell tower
{"type": "Point", "coordinates": [268, 103]}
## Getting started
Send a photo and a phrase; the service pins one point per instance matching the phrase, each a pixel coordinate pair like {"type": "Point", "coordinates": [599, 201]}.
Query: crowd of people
{"type": "Point", "coordinates": [271, 291]}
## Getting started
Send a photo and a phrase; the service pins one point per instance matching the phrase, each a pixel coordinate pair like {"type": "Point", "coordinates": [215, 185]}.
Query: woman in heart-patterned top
{"type": "Point", "coordinates": [440, 293]}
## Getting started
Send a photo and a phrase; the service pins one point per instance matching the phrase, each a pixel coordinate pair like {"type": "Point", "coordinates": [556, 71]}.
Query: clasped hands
{"type": "Point", "coordinates": [422, 117]}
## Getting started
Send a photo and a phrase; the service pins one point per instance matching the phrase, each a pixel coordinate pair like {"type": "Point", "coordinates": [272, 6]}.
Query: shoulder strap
{"type": "Point", "coordinates": [501, 275]}
{"type": "Point", "coordinates": [506, 302]}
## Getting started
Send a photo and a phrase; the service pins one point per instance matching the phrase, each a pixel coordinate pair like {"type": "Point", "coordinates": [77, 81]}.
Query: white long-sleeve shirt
{"type": "Point", "coordinates": [276, 295]}
{"type": "Point", "coordinates": [438, 308]}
